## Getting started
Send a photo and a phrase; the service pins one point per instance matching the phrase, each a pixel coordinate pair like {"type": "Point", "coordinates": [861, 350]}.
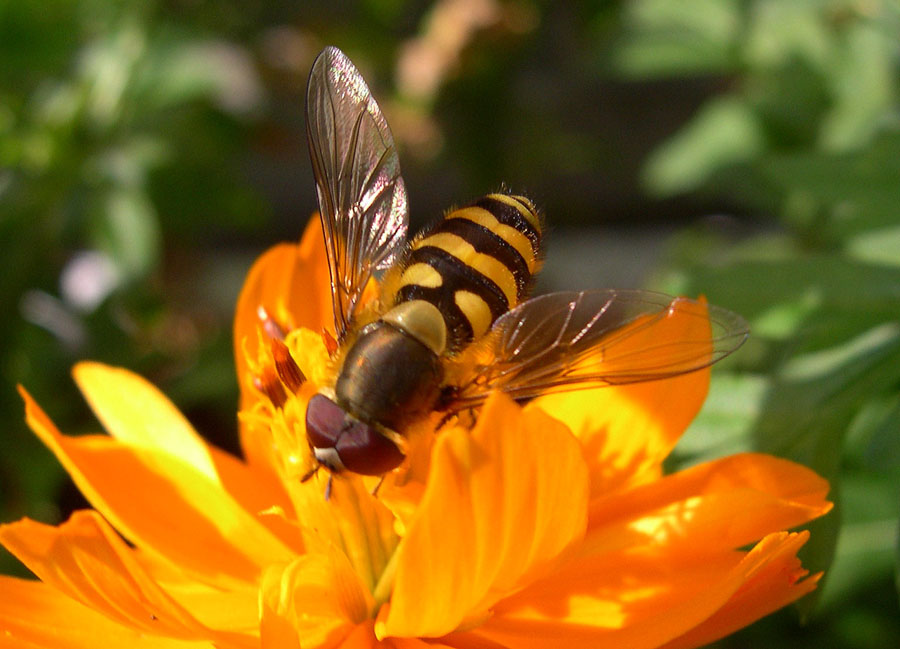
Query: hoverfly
{"type": "Point", "coordinates": [461, 286]}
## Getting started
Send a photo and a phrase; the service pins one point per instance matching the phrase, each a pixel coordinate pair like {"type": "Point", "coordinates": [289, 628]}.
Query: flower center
{"type": "Point", "coordinates": [351, 520]}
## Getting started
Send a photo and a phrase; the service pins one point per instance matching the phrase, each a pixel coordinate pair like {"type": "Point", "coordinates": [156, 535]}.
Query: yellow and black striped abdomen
{"type": "Point", "coordinates": [475, 265]}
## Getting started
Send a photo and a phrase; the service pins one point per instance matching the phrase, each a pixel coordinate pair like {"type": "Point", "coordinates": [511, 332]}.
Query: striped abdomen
{"type": "Point", "coordinates": [475, 265]}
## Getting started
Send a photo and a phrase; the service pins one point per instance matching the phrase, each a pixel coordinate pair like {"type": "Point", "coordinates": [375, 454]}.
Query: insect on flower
{"type": "Point", "coordinates": [453, 321]}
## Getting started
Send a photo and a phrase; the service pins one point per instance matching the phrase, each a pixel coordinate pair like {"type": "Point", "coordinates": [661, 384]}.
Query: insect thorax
{"type": "Point", "coordinates": [388, 377]}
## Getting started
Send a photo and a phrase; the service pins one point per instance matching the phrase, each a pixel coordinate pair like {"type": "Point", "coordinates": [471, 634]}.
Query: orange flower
{"type": "Point", "coordinates": [541, 526]}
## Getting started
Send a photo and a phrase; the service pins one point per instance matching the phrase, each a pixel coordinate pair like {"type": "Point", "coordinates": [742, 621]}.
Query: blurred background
{"type": "Point", "coordinates": [748, 150]}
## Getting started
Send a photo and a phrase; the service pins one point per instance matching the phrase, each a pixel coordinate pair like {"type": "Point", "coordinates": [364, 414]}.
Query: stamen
{"type": "Point", "coordinates": [288, 371]}
{"type": "Point", "coordinates": [269, 324]}
{"type": "Point", "coordinates": [269, 384]}
{"type": "Point", "coordinates": [382, 591]}
{"type": "Point", "coordinates": [331, 345]}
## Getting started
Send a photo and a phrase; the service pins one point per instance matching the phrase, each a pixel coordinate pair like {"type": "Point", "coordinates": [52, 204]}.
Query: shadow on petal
{"type": "Point", "coordinates": [639, 599]}
{"type": "Point", "coordinates": [628, 430]}
{"type": "Point", "coordinates": [502, 502]}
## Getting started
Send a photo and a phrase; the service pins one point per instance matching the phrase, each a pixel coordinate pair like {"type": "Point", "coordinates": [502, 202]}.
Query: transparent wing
{"type": "Point", "coordinates": [578, 340]}
{"type": "Point", "coordinates": [362, 199]}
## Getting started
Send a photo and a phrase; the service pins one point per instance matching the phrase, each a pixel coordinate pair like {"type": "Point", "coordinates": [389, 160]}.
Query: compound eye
{"type": "Point", "coordinates": [358, 447]}
{"type": "Point", "coordinates": [364, 450]}
{"type": "Point", "coordinates": [324, 422]}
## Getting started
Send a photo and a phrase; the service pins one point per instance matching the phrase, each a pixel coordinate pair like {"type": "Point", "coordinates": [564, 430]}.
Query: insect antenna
{"type": "Point", "coordinates": [378, 486]}
{"type": "Point", "coordinates": [309, 474]}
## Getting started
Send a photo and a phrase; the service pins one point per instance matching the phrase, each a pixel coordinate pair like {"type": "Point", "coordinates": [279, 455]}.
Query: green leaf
{"type": "Point", "coordinates": [816, 301]}
{"type": "Point", "coordinates": [810, 406]}
{"type": "Point", "coordinates": [897, 556]}
{"type": "Point", "coordinates": [881, 246]}
{"type": "Point", "coordinates": [780, 31]}
{"type": "Point", "coordinates": [129, 233]}
{"type": "Point", "coordinates": [675, 37]}
{"type": "Point", "coordinates": [834, 282]}
{"type": "Point", "coordinates": [178, 72]}
{"type": "Point", "coordinates": [725, 131]}
{"type": "Point", "coordinates": [863, 82]}
{"type": "Point", "coordinates": [873, 440]}
{"type": "Point", "coordinates": [855, 192]}
{"type": "Point", "coordinates": [726, 420]}
{"type": "Point", "coordinates": [865, 544]}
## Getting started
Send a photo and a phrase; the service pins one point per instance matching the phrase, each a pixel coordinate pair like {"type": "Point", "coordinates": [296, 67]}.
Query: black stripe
{"type": "Point", "coordinates": [510, 215]}
{"type": "Point", "coordinates": [459, 329]}
{"type": "Point", "coordinates": [490, 243]}
{"type": "Point", "coordinates": [457, 275]}
{"type": "Point", "coordinates": [524, 202]}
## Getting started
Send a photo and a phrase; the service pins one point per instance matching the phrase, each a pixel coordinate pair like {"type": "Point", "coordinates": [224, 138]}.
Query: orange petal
{"type": "Point", "coordinates": [640, 599]}
{"type": "Point", "coordinates": [470, 640]}
{"type": "Point", "coordinates": [35, 615]}
{"type": "Point", "coordinates": [291, 282]}
{"type": "Point", "coordinates": [136, 413]}
{"type": "Point", "coordinates": [352, 520]}
{"type": "Point", "coordinates": [363, 637]}
{"type": "Point", "coordinates": [502, 501]}
{"type": "Point", "coordinates": [258, 492]}
{"type": "Point", "coordinates": [235, 610]}
{"type": "Point", "coordinates": [85, 559]}
{"type": "Point", "coordinates": [411, 643]}
{"type": "Point", "coordinates": [774, 587]}
{"type": "Point", "coordinates": [133, 411]}
{"type": "Point", "coordinates": [314, 602]}
{"type": "Point", "coordinates": [628, 430]}
{"type": "Point", "coordinates": [149, 495]}
{"type": "Point", "coordinates": [696, 507]}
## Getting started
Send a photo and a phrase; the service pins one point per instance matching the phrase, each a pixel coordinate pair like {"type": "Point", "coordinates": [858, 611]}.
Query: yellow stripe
{"type": "Point", "coordinates": [506, 232]}
{"type": "Point", "coordinates": [476, 310]}
{"type": "Point", "coordinates": [421, 275]}
{"type": "Point", "coordinates": [529, 213]}
{"type": "Point", "coordinates": [527, 201]}
{"type": "Point", "coordinates": [484, 264]}
{"type": "Point", "coordinates": [421, 320]}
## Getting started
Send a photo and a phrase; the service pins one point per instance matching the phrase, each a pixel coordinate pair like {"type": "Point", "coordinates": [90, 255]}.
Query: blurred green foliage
{"type": "Point", "coordinates": [148, 151]}
{"type": "Point", "coordinates": [805, 139]}
{"type": "Point", "coordinates": [120, 138]}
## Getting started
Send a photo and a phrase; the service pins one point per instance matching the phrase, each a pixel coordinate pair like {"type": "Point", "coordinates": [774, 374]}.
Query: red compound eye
{"type": "Point", "coordinates": [359, 446]}
{"type": "Point", "coordinates": [324, 421]}
{"type": "Point", "coordinates": [364, 450]}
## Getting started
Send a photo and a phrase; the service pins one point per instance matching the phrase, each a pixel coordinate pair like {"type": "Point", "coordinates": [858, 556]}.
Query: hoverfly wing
{"type": "Point", "coordinates": [578, 340]}
{"type": "Point", "coordinates": [362, 198]}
